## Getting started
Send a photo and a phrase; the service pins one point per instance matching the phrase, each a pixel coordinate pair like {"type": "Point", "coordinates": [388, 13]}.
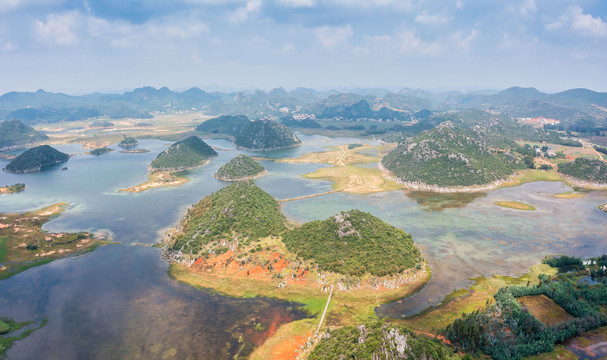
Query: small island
{"type": "Point", "coordinates": [128, 142]}
{"type": "Point", "coordinates": [15, 134]}
{"type": "Point", "coordinates": [240, 168]}
{"type": "Point", "coordinates": [514, 205]}
{"type": "Point", "coordinates": [100, 151]}
{"type": "Point", "coordinates": [11, 189]}
{"type": "Point", "coordinates": [264, 135]}
{"type": "Point", "coordinates": [169, 167]}
{"type": "Point", "coordinates": [36, 159]}
{"type": "Point", "coordinates": [236, 241]}
{"type": "Point", "coordinates": [183, 155]}
{"type": "Point", "coordinates": [26, 245]}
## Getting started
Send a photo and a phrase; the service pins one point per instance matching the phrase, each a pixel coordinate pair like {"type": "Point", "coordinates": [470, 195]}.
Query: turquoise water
{"type": "Point", "coordinates": [118, 301]}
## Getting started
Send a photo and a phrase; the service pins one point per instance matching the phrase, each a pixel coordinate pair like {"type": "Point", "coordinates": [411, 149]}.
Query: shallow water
{"type": "Point", "coordinates": [118, 301]}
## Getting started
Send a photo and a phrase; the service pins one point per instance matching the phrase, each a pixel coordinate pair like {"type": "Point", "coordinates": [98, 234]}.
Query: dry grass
{"type": "Point", "coordinates": [569, 195]}
{"type": "Point", "coordinates": [544, 309]}
{"type": "Point", "coordinates": [514, 205]}
{"type": "Point", "coordinates": [159, 179]}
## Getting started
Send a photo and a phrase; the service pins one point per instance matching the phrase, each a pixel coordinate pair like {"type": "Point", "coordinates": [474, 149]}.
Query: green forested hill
{"type": "Point", "coordinates": [36, 159]}
{"type": "Point", "coordinates": [14, 133]}
{"type": "Point", "coordinates": [128, 142]}
{"type": "Point", "coordinates": [354, 243]}
{"type": "Point", "coordinates": [184, 154]}
{"type": "Point", "coordinates": [379, 341]}
{"type": "Point", "coordinates": [225, 124]}
{"type": "Point", "coordinates": [586, 169]}
{"type": "Point", "coordinates": [239, 168]}
{"type": "Point", "coordinates": [241, 211]}
{"type": "Point", "coordinates": [449, 155]}
{"type": "Point", "coordinates": [266, 135]}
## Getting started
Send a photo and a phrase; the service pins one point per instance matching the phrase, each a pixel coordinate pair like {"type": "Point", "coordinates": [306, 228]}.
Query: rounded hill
{"type": "Point", "coordinates": [182, 155]}
{"type": "Point", "coordinates": [354, 243]}
{"type": "Point", "coordinates": [36, 159]}
{"type": "Point", "coordinates": [266, 135]}
{"type": "Point", "coordinates": [14, 133]}
{"type": "Point", "coordinates": [240, 168]}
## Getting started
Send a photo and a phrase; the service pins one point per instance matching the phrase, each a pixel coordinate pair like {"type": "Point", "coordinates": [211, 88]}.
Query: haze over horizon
{"type": "Point", "coordinates": [79, 47]}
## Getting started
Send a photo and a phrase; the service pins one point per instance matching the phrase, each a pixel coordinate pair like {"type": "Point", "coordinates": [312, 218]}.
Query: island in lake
{"type": "Point", "coordinates": [36, 159]}
{"type": "Point", "coordinates": [266, 135]}
{"type": "Point", "coordinates": [240, 168]}
{"type": "Point", "coordinates": [237, 241]}
{"type": "Point", "coordinates": [128, 142]}
{"type": "Point", "coordinates": [11, 189]}
{"type": "Point", "coordinates": [168, 169]}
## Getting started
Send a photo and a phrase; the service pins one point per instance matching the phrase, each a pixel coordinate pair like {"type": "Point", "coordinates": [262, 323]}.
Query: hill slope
{"type": "Point", "coordinates": [226, 124]}
{"type": "Point", "coordinates": [586, 169]}
{"type": "Point", "coordinates": [14, 133]}
{"type": "Point", "coordinates": [266, 135]}
{"type": "Point", "coordinates": [182, 155]}
{"type": "Point", "coordinates": [240, 168]}
{"type": "Point", "coordinates": [237, 214]}
{"type": "Point", "coordinates": [451, 156]}
{"type": "Point", "coordinates": [36, 159]}
{"type": "Point", "coordinates": [354, 243]}
{"type": "Point", "coordinates": [379, 341]}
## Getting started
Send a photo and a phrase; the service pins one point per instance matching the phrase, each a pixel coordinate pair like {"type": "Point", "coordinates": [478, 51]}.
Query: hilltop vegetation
{"type": "Point", "coordinates": [11, 189]}
{"type": "Point", "coordinates": [237, 214]}
{"type": "Point", "coordinates": [354, 243]}
{"type": "Point", "coordinates": [14, 133]}
{"type": "Point", "coordinates": [185, 154]}
{"type": "Point", "coordinates": [240, 168]}
{"type": "Point", "coordinates": [36, 159]}
{"type": "Point", "coordinates": [379, 341]}
{"type": "Point", "coordinates": [449, 155]}
{"type": "Point", "coordinates": [586, 169]}
{"type": "Point", "coordinates": [100, 151]}
{"type": "Point", "coordinates": [266, 135]}
{"type": "Point", "coordinates": [128, 142]}
{"type": "Point", "coordinates": [226, 124]}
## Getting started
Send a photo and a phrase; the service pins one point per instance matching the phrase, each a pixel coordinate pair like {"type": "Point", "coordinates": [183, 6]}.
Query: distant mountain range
{"type": "Point", "coordinates": [568, 106]}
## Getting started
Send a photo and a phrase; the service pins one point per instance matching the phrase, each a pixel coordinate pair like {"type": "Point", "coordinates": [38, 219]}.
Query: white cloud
{"type": "Point", "coordinates": [409, 43]}
{"type": "Point", "coordinates": [429, 19]}
{"type": "Point", "coordinates": [333, 36]}
{"type": "Point", "coordinates": [8, 47]}
{"type": "Point", "coordinates": [527, 8]}
{"type": "Point", "coordinates": [580, 23]}
{"type": "Point", "coordinates": [462, 42]}
{"type": "Point", "coordinates": [287, 48]}
{"type": "Point", "coordinates": [60, 28]}
{"type": "Point", "coordinates": [8, 5]}
{"type": "Point", "coordinates": [242, 13]}
{"type": "Point", "coordinates": [297, 3]}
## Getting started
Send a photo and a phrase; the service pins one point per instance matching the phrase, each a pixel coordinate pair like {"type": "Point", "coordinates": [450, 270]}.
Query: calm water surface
{"type": "Point", "coordinates": [118, 301]}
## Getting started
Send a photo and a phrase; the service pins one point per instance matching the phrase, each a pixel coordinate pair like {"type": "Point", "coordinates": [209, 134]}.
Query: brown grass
{"type": "Point", "coordinates": [544, 309]}
{"type": "Point", "coordinates": [514, 205]}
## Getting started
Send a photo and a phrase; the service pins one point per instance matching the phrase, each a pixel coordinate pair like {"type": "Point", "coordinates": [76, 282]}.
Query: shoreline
{"type": "Point", "coordinates": [278, 148]}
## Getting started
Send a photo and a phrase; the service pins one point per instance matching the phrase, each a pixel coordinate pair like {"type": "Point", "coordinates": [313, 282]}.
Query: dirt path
{"type": "Point", "coordinates": [310, 196]}
{"type": "Point", "coordinates": [343, 154]}
{"type": "Point", "coordinates": [322, 318]}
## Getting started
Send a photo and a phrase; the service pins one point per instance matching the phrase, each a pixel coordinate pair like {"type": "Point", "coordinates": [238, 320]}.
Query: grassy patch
{"type": "Point", "coordinates": [514, 205]}
{"type": "Point", "coordinates": [559, 353]}
{"type": "Point", "coordinates": [7, 341]}
{"type": "Point", "coordinates": [533, 175]}
{"type": "Point", "coordinates": [569, 195]}
{"type": "Point", "coordinates": [544, 309]}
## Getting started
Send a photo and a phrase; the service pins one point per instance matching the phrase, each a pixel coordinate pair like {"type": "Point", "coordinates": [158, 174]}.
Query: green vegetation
{"type": "Point", "coordinates": [378, 340]}
{"type": "Point", "coordinates": [354, 243]}
{"type": "Point", "coordinates": [8, 326]}
{"type": "Point", "coordinates": [564, 261]}
{"type": "Point", "coordinates": [128, 142]}
{"type": "Point", "coordinates": [266, 135]}
{"type": "Point", "coordinates": [14, 133]}
{"type": "Point", "coordinates": [241, 212]}
{"type": "Point", "coordinates": [100, 151]}
{"type": "Point", "coordinates": [600, 149]}
{"type": "Point", "coordinates": [11, 189]}
{"type": "Point", "coordinates": [569, 142]}
{"type": "Point", "coordinates": [226, 124]}
{"type": "Point", "coordinates": [354, 146]}
{"type": "Point", "coordinates": [586, 169]}
{"type": "Point", "coordinates": [452, 156]}
{"type": "Point", "coordinates": [101, 124]}
{"type": "Point", "coordinates": [505, 330]}
{"type": "Point", "coordinates": [240, 168]}
{"type": "Point", "coordinates": [36, 159]}
{"type": "Point", "coordinates": [182, 155]}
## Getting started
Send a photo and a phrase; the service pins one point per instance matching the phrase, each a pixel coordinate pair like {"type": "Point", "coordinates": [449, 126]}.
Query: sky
{"type": "Point", "coordinates": [81, 46]}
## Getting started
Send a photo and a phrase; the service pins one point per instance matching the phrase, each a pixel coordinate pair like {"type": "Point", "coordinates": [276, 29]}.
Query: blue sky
{"type": "Point", "coordinates": [80, 46]}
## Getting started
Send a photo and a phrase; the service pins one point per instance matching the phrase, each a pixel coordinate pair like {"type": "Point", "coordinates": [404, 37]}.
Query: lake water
{"type": "Point", "coordinates": [118, 302]}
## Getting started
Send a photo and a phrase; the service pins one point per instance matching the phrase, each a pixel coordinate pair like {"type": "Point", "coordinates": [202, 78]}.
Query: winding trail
{"type": "Point", "coordinates": [310, 196]}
